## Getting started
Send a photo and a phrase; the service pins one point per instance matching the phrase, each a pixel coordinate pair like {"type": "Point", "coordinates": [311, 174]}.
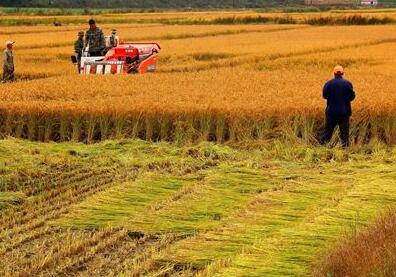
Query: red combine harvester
{"type": "Point", "coordinates": [125, 58]}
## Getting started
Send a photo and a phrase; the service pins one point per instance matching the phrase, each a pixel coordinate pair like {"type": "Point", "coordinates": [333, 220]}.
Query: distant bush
{"type": "Point", "coordinates": [349, 20]}
{"type": "Point", "coordinates": [301, 9]}
{"type": "Point", "coordinates": [245, 20]}
{"type": "Point", "coordinates": [242, 20]}
{"type": "Point", "coordinates": [285, 20]}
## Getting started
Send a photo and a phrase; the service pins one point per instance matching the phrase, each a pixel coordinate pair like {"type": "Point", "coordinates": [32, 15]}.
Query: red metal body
{"type": "Point", "coordinates": [125, 58]}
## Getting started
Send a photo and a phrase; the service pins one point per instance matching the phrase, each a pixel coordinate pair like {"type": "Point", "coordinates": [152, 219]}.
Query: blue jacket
{"type": "Point", "coordinates": [339, 94]}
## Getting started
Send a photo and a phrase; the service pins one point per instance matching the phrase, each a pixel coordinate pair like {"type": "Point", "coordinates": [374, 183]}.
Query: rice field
{"type": "Point", "coordinates": [267, 81]}
{"type": "Point", "coordinates": [210, 166]}
{"type": "Point", "coordinates": [193, 17]}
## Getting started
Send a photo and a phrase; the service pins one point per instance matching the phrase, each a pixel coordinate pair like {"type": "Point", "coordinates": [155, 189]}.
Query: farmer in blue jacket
{"type": "Point", "coordinates": [339, 94]}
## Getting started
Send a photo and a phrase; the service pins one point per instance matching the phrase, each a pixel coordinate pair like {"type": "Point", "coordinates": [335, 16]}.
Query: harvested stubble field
{"type": "Point", "coordinates": [134, 208]}
{"type": "Point", "coordinates": [267, 203]}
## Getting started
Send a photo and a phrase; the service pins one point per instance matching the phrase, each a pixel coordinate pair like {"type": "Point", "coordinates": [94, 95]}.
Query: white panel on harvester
{"type": "Point", "coordinates": [99, 69]}
{"type": "Point", "coordinates": [88, 69]}
{"type": "Point", "coordinates": [107, 69]}
{"type": "Point", "coordinates": [119, 68]}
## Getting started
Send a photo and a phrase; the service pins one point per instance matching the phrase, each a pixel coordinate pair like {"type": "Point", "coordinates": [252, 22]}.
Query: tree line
{"type": "Point", "coordinates": [139, 4]}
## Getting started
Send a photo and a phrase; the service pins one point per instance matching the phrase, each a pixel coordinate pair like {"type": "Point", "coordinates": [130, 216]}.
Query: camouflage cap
{"type": "Point", "coordinates": [81, 33]}
{"type": "Point", "coordinates": [114, 31]}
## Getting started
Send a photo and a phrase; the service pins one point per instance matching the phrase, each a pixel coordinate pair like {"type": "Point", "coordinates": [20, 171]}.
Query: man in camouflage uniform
{"type": "Point", "coordinates": [78, 49]}
{"type": "Point", "coordinates": [8, 63]}
{"type": "Point", "coordinates": [95, 40]}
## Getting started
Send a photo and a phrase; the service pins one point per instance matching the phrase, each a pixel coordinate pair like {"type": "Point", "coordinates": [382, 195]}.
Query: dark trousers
{"type": "Point", "coordinates": [78, 63]}
{"type": "Point", "coordinates": [8, 75]}
{"type": "Point", "coordinates": [331, 123]}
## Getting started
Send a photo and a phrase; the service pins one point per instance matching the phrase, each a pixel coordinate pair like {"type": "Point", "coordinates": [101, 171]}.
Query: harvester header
{"type": "Point", "coordinates": [124, 58]}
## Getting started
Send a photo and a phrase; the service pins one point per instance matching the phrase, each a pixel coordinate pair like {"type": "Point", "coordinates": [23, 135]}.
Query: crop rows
{"type": "Point", "coordinates": [32, 243]}
{"type": "Point", "coordinates": [136, 208]}
{"type": "Point", "coordinates": [267, 82]}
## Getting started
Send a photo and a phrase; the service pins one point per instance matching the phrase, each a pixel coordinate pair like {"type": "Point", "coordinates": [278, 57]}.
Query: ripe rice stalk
{"type": "Point", "coordinates": [41, 127]}
{"type": "Point", "coordinates": [288, 128]}
{"type": "Point", "coordinates": [205, 126]}
{"type": "Point", "coordinates": [64, 128]}
{"type": "Point", "coordinates": [220, 128]}
{"type": "Point", "coordinates": [105, 126]}
{"type": "Point", "coordinates": [375, 132]}
{"type": "Point", "coordinates": [390, 130]}
{"type": "Point", "coordinates": [192, 131]}
{"type": "Point", "coordinates": [91, 129]}
{"type": "Point", "coordinates": [76, 122]}
{"type": "Point", "coordinates": [19, 125]}
{"type": "Point", "coordinates": [264, 128]}
{"type": "Point", "coordinates": [31, 126]}
{"type": "Point", "coordinates": [241, 129]}
{"type": "Point", "coordinates": [119, 127]}
{"type": "Point", "coordinates": [184, 129]}
{"type": "Point", "coordinates": [136, 127]}
{"type": "Point", "coordinates": [360, 131]}
{"type": "Point", "coordinates": [165, 126]}
{"type": "Point", "coordinates": [149, 128]}
{"type": "Point", "coordinates": [51, 132]}
{"type": "Point", "coordinates": [309, 129]}
{"type": "Point", "coordinates": [7, 124]}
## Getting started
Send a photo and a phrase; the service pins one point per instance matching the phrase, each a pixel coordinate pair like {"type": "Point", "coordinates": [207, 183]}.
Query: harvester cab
{"type": "Point", "coordinates": [124, 58]}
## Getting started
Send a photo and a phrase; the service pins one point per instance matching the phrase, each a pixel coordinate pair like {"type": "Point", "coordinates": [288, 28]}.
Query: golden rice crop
{"type": "Point", "coordinates": [186, 17]}
{"type": "Point", "coordinates": [50, 54]}
{"type": "Point", "coordinates": [221, 104]}
{"type": "Point", "coordinates": [64, 36]}
{"type": "Point", "coordinates": [214, 82]}
{"type": "Point", "coordinates": [196, 45]}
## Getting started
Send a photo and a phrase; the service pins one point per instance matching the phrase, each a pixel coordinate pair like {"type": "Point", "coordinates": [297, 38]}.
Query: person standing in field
{"type": "Point", "coordinates": [112, 41]}
{"type": "Point", "coordinates": [78, 49]}
{"type": "Point", "coordinates": [113, 38]}
{"type": "Point", "coordinates": [95, 40]}
{"type": "Point", "coordinates": [339, 94]}
{"type": "Point", "coordinates": [8, 63]}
